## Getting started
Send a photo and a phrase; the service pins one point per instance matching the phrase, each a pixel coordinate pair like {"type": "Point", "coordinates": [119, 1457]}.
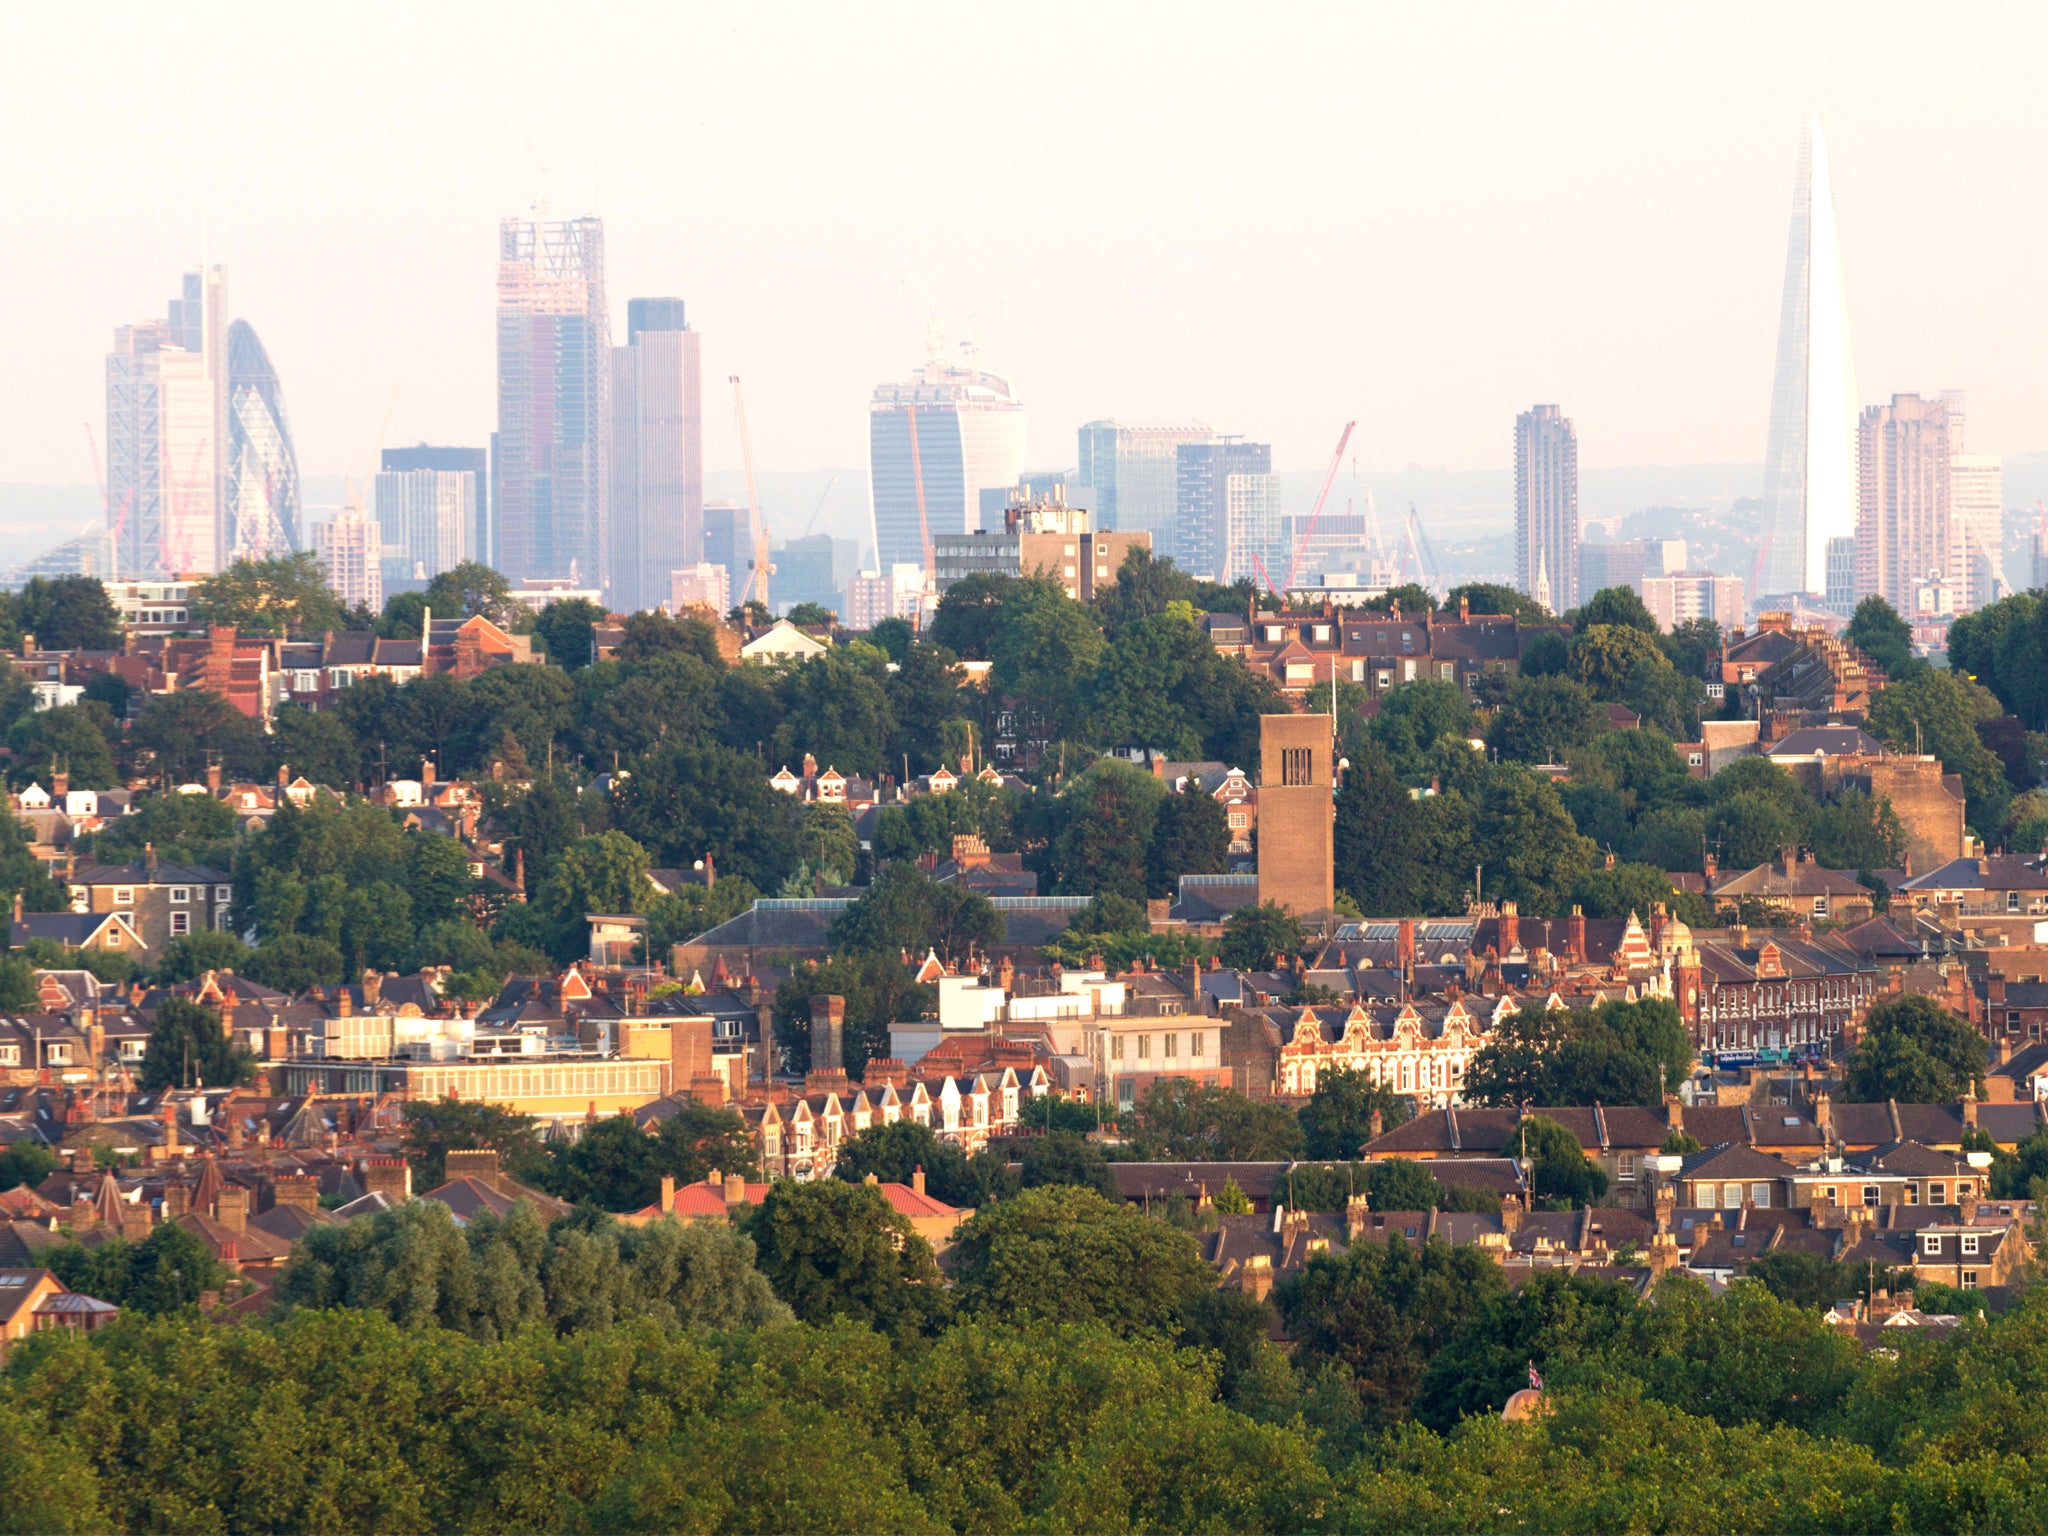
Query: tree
{"type": "Point", "coordinates": [166, 1272]}
{"type": "Point", "coordinates": [63, 613]}
{"type": "Point", "coordinates": [194, 954]}
{"type": "Point", "coordinates": [879, 990]}
{"type": "Point", "coordinates": [1637, 889]}
{"type": "Point", "coordinates": [1337, 1120]}
{"type": "Point", "coordinates": [1691, 645]}
{"type": "Point", "coordinates": [1190, 836]}
{"type": "Point", "coordinates": [469, 589]}
{"type": "Point", "coordinates": [1561, 1172]}
{"type": "Point", "coordinates": [1615, 608]}
{"type": "Point", "coordinates": [652, 634]}
{"type": "Point", "coordinates": [1063, 1254]}
{"type": "Point", "coordinates": [1402, 1184]}
{"type": "Point", "coordinates": [1045, 649]}
{"type": "Point", "coordinates": [1543, 719]}
{"type": "Point", "coordinates": [832, 1249]}
{"type": "Point", "coordinates": [292, 962]}
{"type": "Point", "coordinates": [1939, 712]}
{"type": "Point", "coordinates": [905, 911]}
{"type": "Point", "coordinates": [893, 1153]}
{"type": "Point", "coordinates": [611, 1165]}
{"type": "Point", "coordinates": [563, 628]}
{"type": "Point", "coordinates": [827, 843]}
{"type": "Point", "coordinates": [1181, 1120]}
{"type": "Point", "coordinates": [1414, 717]}
{"type": "Point", "coordinates": [184, 829]}
{"type": "Point", "coordinates": [1916, 1051]}
{"type": "Point", "coordinates": [436, 1127]}
{"type": "Point", "coordinates": [73, 737]}
{"type": "Point", "coordinates": [182, 732]}
{"type": "Point", "coordinates": [1858, 832]}
{"type": "Point", "coordinates": [1107, 820]}
{"type": "Point", "coordinates": [1614, 1053]}
{"type": "Point", "coordinates": [1490, 1356]}
{"type": "Point", "coordinates": [1491, 597]}
{"type": "Point", "coordinates": [285, 595]}
{"type": "Point", "coordinates": [685, 801]}
{"type": "Point", "coordinates": [1809, 1279]}
{"type": "Point", "coordinates": [970, 614]}
{"type": "Point", "coordinates": [1255, 936]}
{"type": "Point", "coordinates": [25, 1162]}
{"type": "Point", "coordinates": [1605, 657]}
{"type": "Point", "coordinates": [188, 1048]}
{"type": "Point", "coordinates": [606, 873]}
{"type": "Point", "coordinates": [19, 992]}
{"type": "Point", "coordinates": [1064, 1157]}
{"type": "Point", "coordinates": [699, 1140]}
{"type": "Point", "coordinates": [1878, 632]}
{"type": "Point", "coordinates": [1394, 854]}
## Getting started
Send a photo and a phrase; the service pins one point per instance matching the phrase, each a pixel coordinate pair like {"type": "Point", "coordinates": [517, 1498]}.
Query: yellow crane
{"type": "Point", "coordinates": [758, 574]}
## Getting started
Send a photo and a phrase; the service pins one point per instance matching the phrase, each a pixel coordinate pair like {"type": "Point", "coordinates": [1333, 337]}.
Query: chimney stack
{"type": "Point", "coordinates": [689, 1043]}
{"type": "Point", "coordinates": [828, 1033]}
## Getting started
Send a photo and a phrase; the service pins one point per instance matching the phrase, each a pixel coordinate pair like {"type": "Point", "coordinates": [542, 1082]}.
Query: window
{"type": "Point", "coordinates": [2012, 901]}
{"type": "Point", "coordinates": [1731, 1197]}
{"type": "Point", "coordinates": [1969, 1279]}
{"type": "Point", "coordinates": [1970, 1243]}
{"type": "Point", "coordinates": [1172, 1046]}
{"type": "Point", "coordinates": [1965, 1188]}
{"type": "Point", "coordinates": [1625, 1165]}
{"type": "Point", "coordinates": [1358, 671]}
{"type": "Point", "coordinates": [1912, 1194]}
{"type": "Point", "coordinates": [124, 896]}
{"type": "Point", "coordinates": [1820, 906]}
{"type": "Point", "coordinates": [1116, 1047]}
{"type": "Point", "coordinates": [1295, 766]}
{"type": "Point", "coordinates": [1930, 1243]}
{"type": "Point", "coordinates": [60, 1054]}
{"type": "Point", "coordinates": [1937, 1194]}
{"type": "Point", "coordinates": [181, 922]}
{"type": "Point", "coordinates": [1239, 820]}
{"type": "Point", "coordinates": [10, 1055]}
{"type": "Point", "coordinates": [1870, 1194]}
{"type": "Point", "coordinates": [1828, 1194]}
{"type": "Point", "coordinates": [1760, 1195]}
{"type": "Point", "coordinates": [1144, 1047]}
{"type": "Point", "coordinates": [180, 894]}
{"type": "Point", "coordinates": [223, 892]}
{"type": "Point", "coordinates": [1195, 1046]}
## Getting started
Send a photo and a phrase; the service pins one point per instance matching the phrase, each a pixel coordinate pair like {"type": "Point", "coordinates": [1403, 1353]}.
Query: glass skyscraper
{"type": "Point", "coordinates": [1226, 508]}
{"type": "Point", "coordinates": [1547, 507]}
{"type": "Point", "coordinates": [430, 512]}
{"type": "Point", "coordinates": [262, 516]}
{"type": "Point", "coordinates": [554, 395]}
{"type": "Point", "coordinates": [1131, 470]}
{"type": "Point", "coordinates": [968, 430]}
{"type": "Point", "coordinates": [1810, 477]}
{"type": "Point", "coordinates": [657, 454]}
{"type": "Point", "coordinates": [166, 409]}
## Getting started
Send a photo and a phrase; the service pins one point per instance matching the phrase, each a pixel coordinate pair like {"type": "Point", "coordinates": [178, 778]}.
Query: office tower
{"type": "Point", "coordinates": [1810, 474]}
{"type": "Point", "coordinates": [166, 409]}
{"type": "Point", "coordinates": [729, 542]}
{"type": "Point", "coordinates": [262, 484]}
{"type": "Point", "coordinates": [428, 485]}
{"type": "Point", "coordinates": [657, 454]}
{"type": "Point", "coordinates": [815, 569]}
{"type": "Point", "coordinates": [350, 545]}
{"type": "Point", "coordinates": [554, 392]}
{"type": "Point", "coordinates": [1627, 563]}
{"type": "Point", "coordinates": [427, 507]}
{"type": "Point", "coordinates": [1547, 507]}
{"type": "Point", "coordinates": [1976, 506]}
{"type": "Point", "coordinates": [1040, 536]}
{"type": "Point", "coordinates": [934, 443]}
{"type": "Point", "coordinates": [1226, 508]}
{"type": "Point", "coordinates": [1902, 513]}
{"type": "Point", "coordinates": [1131, 468]}
{"type": "Point", "coordinates": [895, 594]}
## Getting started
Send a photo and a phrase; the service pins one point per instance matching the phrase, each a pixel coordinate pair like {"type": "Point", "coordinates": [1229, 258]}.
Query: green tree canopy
{"type": "Point", "coordinates": [1337, 1120]}
{"type": "Point", "coordinates": [1614, 1053]}
{"type": "Point", "coordinates": [832, 1249]}
{"type": "Point", "coordinates": [1916, 1051]}
{"type": "Point", "coordinates": [187, 1048]}
{"type": "Point", "coordinates": [285, 595]}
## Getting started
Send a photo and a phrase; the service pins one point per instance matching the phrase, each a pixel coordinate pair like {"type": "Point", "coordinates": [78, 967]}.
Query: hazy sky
{"type": "Point", "coordinates": [1273, 217]}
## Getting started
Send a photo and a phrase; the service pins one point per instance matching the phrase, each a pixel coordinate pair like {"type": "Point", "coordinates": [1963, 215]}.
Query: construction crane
{"type": "Point", "coordinates": [924, 528]}
{"type": "Point", "coordinates": [820, 506]}
{"type": "Point", "coordinates": [1259, 566]}
{"type": "Point", "coordinates": [757, 579]}
{"type": "Point", "coordinates": [1425, 556]}
{"type": "Point", "coordinates": [1301, 544]}
{"type": "Point", "coordinates": [113, 524]}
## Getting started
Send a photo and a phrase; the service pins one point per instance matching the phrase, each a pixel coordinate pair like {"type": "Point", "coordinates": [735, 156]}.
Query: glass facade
{"type": "Point", "coordinates": [969, 436]}
{"type": "Point", "coordinates": [263, 468]}
{"type": "Point", "coordinates": [1810, 484]}
{"type": "Point", "coordinates": [1201, 543]}
{"type": "Point", "coordinates": [1130, 469]}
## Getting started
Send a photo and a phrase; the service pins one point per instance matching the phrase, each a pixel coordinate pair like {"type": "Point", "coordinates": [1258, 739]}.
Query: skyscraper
{"type": "Point", "coordinates": [166, 410]}
{"type": "Point", "coordinates": [1547, 507]}
{"type": "Point", "coordinates": [469, 488]}
{"type": "Point", "coordinates": [554, 393]}
{"type": "Point", "coordinates": [348, 545]}
{"type": "Point", "coordinates": [1976, 509]}
{"type": "Point", "coordinates": [1810, 474]}
{"type": "Point", "coordinates": [1903, 506]}
{"type": "Point", "coordinates": [262, 482]}
{"type": "Point", "coordinates": [429, 512]}
{"type": "Point", "coordinates": [657, 454]}
{"type": "Point", "coordinates": [1226, 508]}
{"type": "Point", "coordinates": [951, 432]}
{"type": "Point", "coordinates": [1131, 469]}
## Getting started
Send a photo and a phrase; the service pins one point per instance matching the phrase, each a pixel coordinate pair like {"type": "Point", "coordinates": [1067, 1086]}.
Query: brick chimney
{"type": "Point", "coordinates": [1510, 928]}
{"type": "Point", "coordinates": [296, 1189]}
{"type": "Point", "coordinates": [1510, 1215]}
{"type": "Point", "coordinates": [231, 1208]}
{"type": "Point", "coordinates": [1255, 1279]}
{"type": "Point", "coordinates": [764, 1018]}
{"type": "Point", "coordinates": [1407, 949]}
{"type": "Point", "coordinates": [1376, 1126]}
{"type": "Point", "coordinates": [689, 1049]}
{"type": "Point", "coordinates": [735, 1190]}
{"type": "Point", "coordinates": [668, 1193]}
{"type": "Point", "coordinates": [373, 989]}
{"type": "Point", "coordinates": [1575, 936]}
{"type": "Point", "coordinates": [177, 1198]}
{"type": "Point", "coordinates": [828, 1033]}
{"type": "Point", "coordinates": [389, 1176]}
{"type": "Point", "coordinates": [917, 1178]}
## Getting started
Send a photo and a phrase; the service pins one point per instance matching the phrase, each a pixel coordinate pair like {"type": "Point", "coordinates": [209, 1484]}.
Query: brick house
{"type": "Point", "coordinates": [161, 901]}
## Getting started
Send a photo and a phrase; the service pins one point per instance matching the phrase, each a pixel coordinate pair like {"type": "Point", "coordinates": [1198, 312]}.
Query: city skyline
{"type": "Point", "coordinates": [1281, 342]}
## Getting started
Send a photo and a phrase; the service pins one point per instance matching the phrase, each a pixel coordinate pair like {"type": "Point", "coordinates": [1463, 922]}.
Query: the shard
{"type": "Point", "coordinates": [1810, 463]}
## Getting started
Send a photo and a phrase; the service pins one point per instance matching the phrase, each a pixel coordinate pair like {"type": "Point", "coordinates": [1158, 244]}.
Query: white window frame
{"type": "Point", "coordinates": [124, 895]}
{"type": "Point", "coordinates": [181, 924]}
{"type": "Point", "coordinates": [180, 895]}
{"type": "Point", "coordinates": [1971, 1244]}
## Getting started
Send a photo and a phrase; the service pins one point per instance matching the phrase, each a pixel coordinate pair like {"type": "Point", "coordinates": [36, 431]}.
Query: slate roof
{"type": "Point", "coordinates": [1834, 740]}
{"type": "Point", "coordinates": [1999, 872]}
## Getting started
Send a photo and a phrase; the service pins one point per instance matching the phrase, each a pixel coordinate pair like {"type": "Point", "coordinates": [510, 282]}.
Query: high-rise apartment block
{"type": "Point", "coordinates": [1810, 462]}
{"type": "Point", "coordinates": [1685, 595]}
{"type": "Point", "coordinates": [1976, 504]}
{"type": "Point", "coordinates": [551, 497]}
{"type": "Point", "coordinates": [702, 585]}
{"type": "Point", "coordinates": [429, 508]}
{"type": "Point", "coordinates": [261, 485]}
{"type": "Point", "coordinates": [1547, 508]}
{"type": "Point", "coordinates": [167, 396]}
{"type": "Point", "coordinates": [423, 487]}
{"type": "Point", "coordinates": [935, 442]}
{"type": "Point", "coordinates": [1131, 469]}
{"type": "Point", "coordinates": [350, 547]}
{"type": "Point", "coordinates": [1903, 506]}
{"type": "Point", "coordinates": [657, 454]}
{"type": "Point", "coordinates": [1226, 508]}
{"type": "Point", "coordinates": [892, 594]}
